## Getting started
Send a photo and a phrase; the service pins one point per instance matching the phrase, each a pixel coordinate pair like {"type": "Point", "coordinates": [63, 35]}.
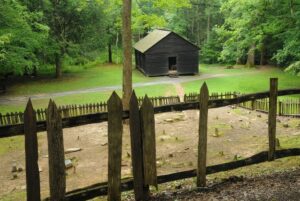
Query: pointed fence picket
{"type": "Point", "coordinates": [143, 146]}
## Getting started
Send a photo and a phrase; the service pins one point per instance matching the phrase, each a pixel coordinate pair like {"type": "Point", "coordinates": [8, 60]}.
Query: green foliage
{"type": "Point", "coordinates": [81, 29]}
{"type": "Point", "coordinates": [34, 34]}
{"type": "Point", "coordinates": [272, 26]}
{"type": "Point", "coordinates": [149, 14]}
{"type": "Point", "coordinates": [37, 33]}
{"type": "Point", "coordinates": [210, 51]}
{"type": "Point", "coordinates": [294, 68]}
{"type": "Point", "coordinates": [21, 37]}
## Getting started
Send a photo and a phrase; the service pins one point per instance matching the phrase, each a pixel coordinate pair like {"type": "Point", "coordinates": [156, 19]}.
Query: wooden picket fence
{"type": "Point", "coordinates": [77, 110]}
{"type": "Point", "coordinates": [285, 107]}
{"type": "Point", "coordinates": [143, 146]}
{"type": "Point", "coordinates": [191, 97]}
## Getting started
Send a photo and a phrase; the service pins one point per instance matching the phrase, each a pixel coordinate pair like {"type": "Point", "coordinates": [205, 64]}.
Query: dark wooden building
{"type": "Point", "coordinates": [162, 52]}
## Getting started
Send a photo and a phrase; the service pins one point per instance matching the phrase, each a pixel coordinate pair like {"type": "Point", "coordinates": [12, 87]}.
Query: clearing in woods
{"type": "Point", "coordinates": [233, 134]}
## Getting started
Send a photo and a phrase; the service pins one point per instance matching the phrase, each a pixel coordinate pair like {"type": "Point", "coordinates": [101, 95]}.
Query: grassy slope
{"type": "Point", "coordinates": [254, 82]}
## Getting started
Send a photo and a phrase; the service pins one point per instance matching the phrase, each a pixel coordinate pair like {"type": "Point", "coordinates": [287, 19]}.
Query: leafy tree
{"type": "Point", "coordinates": [148, 14]}
{"type": "Point", "coordinates": [260, 27]}
{"type": "Point", "coordinates": [112, 11]}
{"type": "Point", "coordinates": [75, 27]}
{"type": "Point", "coordinates": [21, 37]}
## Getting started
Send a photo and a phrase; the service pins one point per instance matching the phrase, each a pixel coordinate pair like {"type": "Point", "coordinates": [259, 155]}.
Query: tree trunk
{"type": "Point", "coordinates": [58, 67]}
{"type": "Point", "coordinates": [208, 28]}
{"type": "Point", "coordinates": [34, 71]}
{"type": "Point", "coordinates": [127, 56]}
{"type": "Point", "coordinates": [292, 7]}
{"type": "Point", "coordinates": [109, 53]}
{"type": "Point", "coordinates": [198, 28]}
{"type": "Point", "coordinates": [238, 61]}
{"type": "Point", "coordinates": [117, 42]}
{"type": "Point", "coordinates": [251, 56]}
{"type": "Point", "coordinates": [263, 55]}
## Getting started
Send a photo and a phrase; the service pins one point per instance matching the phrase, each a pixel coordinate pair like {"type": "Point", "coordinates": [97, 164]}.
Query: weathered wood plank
{"type": "Point", "coordinates": [115, 130]}
{"type": "Point", "coordinates": [272, 117]}
{"type": "Point", "coordinates": [31, 154]}
{"type": "Point", "coordinates": [57, 175]}
{"type": "Point", "coordinates": [202, 145]}
{"type": "Point", "coordinates": [149, 145]}
{"type": "Point", "coordinates": [140, 192]}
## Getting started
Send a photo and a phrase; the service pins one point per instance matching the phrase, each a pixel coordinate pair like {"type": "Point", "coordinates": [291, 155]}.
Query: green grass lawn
{"type": "Point", "coordinates": [94, 97]}
{"type": "Point", "coordinates": [244, 80]}
{"type": "Point", "coordinates": [257, 81]}
{"type": "Point", "coordinates": [74, 78]}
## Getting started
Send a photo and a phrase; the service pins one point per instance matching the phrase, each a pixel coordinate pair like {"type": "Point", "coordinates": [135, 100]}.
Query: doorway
{"type": "Point", "coordinates": [172, 64]}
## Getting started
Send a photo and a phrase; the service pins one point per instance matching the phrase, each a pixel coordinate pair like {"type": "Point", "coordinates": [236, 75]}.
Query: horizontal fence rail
{"type": "Point", "coordinates": [18, 129]}
{"type": "Point", "coordinates": [286, 107]}
{"type": "Point", "coordinates": [127, 184]}
{"type": "Point", "coordinates": [143, 140]}
{"type": "Point", "coordinates": [79, 110]}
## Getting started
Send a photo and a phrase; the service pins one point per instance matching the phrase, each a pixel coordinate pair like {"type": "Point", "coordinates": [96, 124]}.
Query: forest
{"type": "Point", "coordinates": [43, 34]}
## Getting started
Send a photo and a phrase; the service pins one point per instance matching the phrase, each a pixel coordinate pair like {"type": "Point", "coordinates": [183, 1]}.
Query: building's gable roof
{"type": "Point", "coordinates": [150, 40]}
{"type": "Point", "coordinates": [155, 37]}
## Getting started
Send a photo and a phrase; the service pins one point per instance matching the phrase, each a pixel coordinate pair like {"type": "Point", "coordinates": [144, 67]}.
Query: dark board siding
{"type": "Point", "coordinates": [155, 61]}
{"type": "Point", "coordinates": [157, 64]}
{"type": "Point", "coordinates": [187, 63]}
{"type": "Point", "coordinates": [140, 60]}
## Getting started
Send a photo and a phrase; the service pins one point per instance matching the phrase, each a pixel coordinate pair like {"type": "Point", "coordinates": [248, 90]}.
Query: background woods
{"type": "Point", "coordinates": [36, 35]}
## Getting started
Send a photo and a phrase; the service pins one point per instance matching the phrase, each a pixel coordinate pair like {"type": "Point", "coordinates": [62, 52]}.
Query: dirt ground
{"type": "Point", "coordinates": [283, 186]}
{"type": "Point", "coordinates": [232, 134]}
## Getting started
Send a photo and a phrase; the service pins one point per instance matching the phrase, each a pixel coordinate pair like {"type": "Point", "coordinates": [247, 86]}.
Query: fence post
{"type": "Point", "coordinates": [252, 105]}
{"type": "Point", "coordinates": [38, 115]}
{"type": "Point", "coordinates": [57, 175]}
{"type": "Point", "coordinates": [272, 117]}
{"type": "Point", "coordinates": [149, 145]}
{"type": "Point", "coordinates": [7, 116]}
{"type": "Point", "coordinates": [1, 120]}
{"type": "Point", "coordinates": [202, 146]}
{"type": "Point", "coordinates": [279, 108]}
{"type": "Point", "coordinates": [115, 129]}
{"type": "Point", "coordinates": [31, 155]}
{"type": "Point", "coordinates": [140, 192]}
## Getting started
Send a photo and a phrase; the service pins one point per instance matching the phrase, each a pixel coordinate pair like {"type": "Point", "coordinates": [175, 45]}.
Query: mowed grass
{"type": "Point", "coordinates": [86, 98]}
{"type": "Point", "coordinates": [74, 78]}
{"type": "Point", "coordinates": [244, 80]}
{"type": "Point", "coordinates": [254, 80]}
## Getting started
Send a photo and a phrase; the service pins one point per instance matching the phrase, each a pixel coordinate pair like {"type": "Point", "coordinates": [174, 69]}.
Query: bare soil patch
{"type": "Point", "coordinates": [233, 134]}
{"type": "Point", "coordinates": [282, 186]}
